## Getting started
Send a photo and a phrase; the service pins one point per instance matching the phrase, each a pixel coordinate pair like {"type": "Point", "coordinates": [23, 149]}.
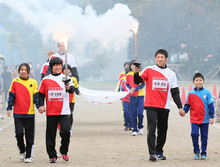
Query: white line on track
{"type": "Point", "coordinates": [7, 125]}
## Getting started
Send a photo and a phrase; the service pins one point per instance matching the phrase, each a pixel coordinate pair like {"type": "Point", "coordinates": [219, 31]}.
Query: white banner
{"type": "Point", "coordinates": [101, 97]}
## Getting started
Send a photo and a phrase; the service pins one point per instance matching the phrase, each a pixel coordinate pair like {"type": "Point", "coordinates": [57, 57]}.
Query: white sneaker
{"type": "Point", "coordinates": [141, 131]}
{"type": "Point", "coordinates": [134, 134]}
{"type": "Point", "coordinates": [28, 160]}
{"type": "Point", "coordinates": [21, 156]}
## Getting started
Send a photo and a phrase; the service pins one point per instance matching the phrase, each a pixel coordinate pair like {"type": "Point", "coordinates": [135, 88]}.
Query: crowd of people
{"type": "Point", "coordinates": [149, 89]}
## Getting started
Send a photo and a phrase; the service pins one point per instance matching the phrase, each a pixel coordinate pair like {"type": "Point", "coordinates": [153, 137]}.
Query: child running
{"type": "Point", "coordinates": [200, 103]}
{"type": "Point", "coordinates": [23, 94]}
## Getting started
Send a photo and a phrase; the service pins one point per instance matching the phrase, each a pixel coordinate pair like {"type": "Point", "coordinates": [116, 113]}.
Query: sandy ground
{"type": "Point", "coordinates": [99, 140]}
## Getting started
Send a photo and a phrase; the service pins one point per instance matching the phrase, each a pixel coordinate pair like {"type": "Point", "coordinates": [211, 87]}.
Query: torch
{"type": "Point", "coordinates": [65, 79]}
{"type": "Point", "coordinates": [134, 28]}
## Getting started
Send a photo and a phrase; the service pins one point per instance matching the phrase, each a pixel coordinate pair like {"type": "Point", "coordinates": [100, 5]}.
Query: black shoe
{"type": "Point", "coordinates": [153, 157]}
{"type": "Point", "coordinates": [161, 157]}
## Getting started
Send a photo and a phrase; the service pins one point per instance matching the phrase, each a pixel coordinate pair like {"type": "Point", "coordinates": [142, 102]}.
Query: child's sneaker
{"type": "Point", "coordinates": [196, 156]}
{"type": "Point", "coordinates": [161, 157]}
{"type": "Point", "coordinates": [21, 156]}
{"type": "Point", "coordinates": [53, 160]}
{"type": "Point", "coordinates": [141, 131]}
{"type": "Point", "coordinates": [28, 160]}
{"type": "Point", "coordinates": [203, 157]}
{"type": "Point", "coordinates": [65, 157]}
{"type": "Point", "coordinates": [134, 134]}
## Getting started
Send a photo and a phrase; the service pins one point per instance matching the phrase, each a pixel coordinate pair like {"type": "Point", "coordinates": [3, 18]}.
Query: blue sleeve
{"type": "Point", "coordinates": [11, 100]}
{"type": "Point", "coordinates": [210, 98]}
{"type": "Point", "coordinates": [128, 86]}
{"type": "Point", "coordinates": [211, 110]}
{"type": "Point", "coordinates": [186, 108]}
{"type": "Point", "coordinates": [120, 87]}
{"type": "Point", "coordinates": [36, 100]}
{"type": "Point", "coordinates": [139, 87]}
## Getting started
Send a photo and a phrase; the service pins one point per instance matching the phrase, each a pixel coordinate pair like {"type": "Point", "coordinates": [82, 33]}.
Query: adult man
{"type": "Point", "coordinates": [160, 82]}
{"type": "Point", "coordinates": [71, 59]}
{"type": "Point", "coordinates": [57, 101]}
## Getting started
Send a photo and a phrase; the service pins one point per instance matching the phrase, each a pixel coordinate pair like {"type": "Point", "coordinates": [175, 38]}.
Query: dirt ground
{"type": "Point", "coordinates": [99, 140]}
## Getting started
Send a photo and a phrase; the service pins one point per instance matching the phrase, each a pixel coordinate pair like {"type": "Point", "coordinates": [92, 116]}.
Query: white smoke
{"type": "Point", "coordinates": [3, 31]}
{"type": "Point", "coordinates": [89, 34]}
{"type": "Point", "coordinates": [111, 29]}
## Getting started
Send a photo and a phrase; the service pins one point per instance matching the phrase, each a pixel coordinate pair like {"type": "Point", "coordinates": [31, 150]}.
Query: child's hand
{"type": "Point", "coordinates": [182, 112]}
{"type": "Point", "coordinates": [132, 90]}
{"type": "Point", "coordinates": [9, 113]}
{"type": "Point", "coordinates": [41, 109]}
{"type": "Point", "coordinates": [211, 121]}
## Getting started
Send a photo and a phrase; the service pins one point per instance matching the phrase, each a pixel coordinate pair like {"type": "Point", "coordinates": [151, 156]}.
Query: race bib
{"type": "Point", "coordinates": [160, 84]}
{"type": "Point", "coordinates": [55, 94]}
